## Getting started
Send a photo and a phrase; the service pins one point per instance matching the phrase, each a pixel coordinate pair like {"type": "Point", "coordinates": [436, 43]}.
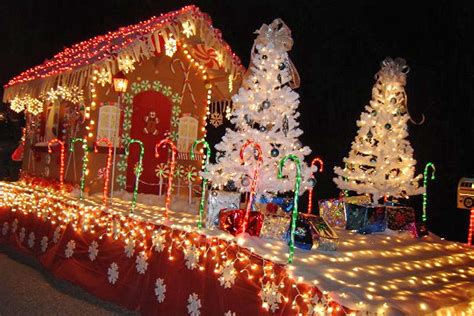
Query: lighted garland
{"type": "Point", "coordinates": [174, 152]}
{"type": "Point", "coordinates": [204, 180]}
{"type": "Point", "coordinates": [310, 191]}
{"type": "Point", "coordinates": [259, 157]}
{"type": "Point", "coordinates": [294, 213]}
{"type": "Point", "coordinates": [108, 166]}
{"type": "Point", "coordinates": [52, 142]}
{"type": "Point", "coordinates": [138, 170]}
{"type": "Point", "coordinates": [85, 161]}
{"type": "Point", "coordinates": [425, 183]}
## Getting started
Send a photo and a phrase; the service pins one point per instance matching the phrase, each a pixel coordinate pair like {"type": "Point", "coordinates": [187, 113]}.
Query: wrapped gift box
{"type": "Point", "coordinates": [399, 217]}
{"type": "Point", "coordinates": [366, 218]}
{"type": "Point", "coordinates": [357, 199]}
{"type": "Point", "coordinates": [333, 212]}
{"type": "Point", "coordinates": [232, 222]}
{"type": "Point", "coordinates": [274, 205]}
{"type": "Point", "coordinates": [217, 201]}
{"type": "Point", "coordinates": [275, 226]}
{"type": "Point", "coordinates": [303, 234]}
{"type": "Point", "coordinates": [325, 237]}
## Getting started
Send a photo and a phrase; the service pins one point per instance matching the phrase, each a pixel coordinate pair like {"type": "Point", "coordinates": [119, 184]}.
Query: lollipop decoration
{"type": "Point", "coordinates": [425, 182]}
{"type": "Point", "coordinates": [161, 172]}
{"type": "Point", "coordinates": [190, 174]}
{"type": "Point", "coordinates": [294, 214]}
{"type": "Point", "coordinates": [108, 142]}
{"type": "Point", "coordinates": [253, 185]}
{"type": "Point", "coordinates": [85, 160]}
{"type": "Point", "coordinates": [178, 173]}
{"type": "Point", "coordinates": [310, 191]}
{"type": "Point", "coordinates": [174, 152]}
{"type": "Point", "coordinates": [204, 180]}
{"type": "Point", "coordinates": [61, 167]}
{"type": "Point", "coordinates": [138, 169]}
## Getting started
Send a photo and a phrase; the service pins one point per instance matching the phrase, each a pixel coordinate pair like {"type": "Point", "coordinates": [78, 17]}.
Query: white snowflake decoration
{"type": "Point", "coordinates": [31, 240]}
{"type": "Point", "coordinates": [318, 306]}
{"type": "Point", "coordinates": [142, 265]}
{"type": "Point", "coordinates": [194, 305]}
{"type": "Point", "coordinates": [126, 63]}
{"type": "Point", "coordinates": [70, 246]}
{"type": "Point", "coordinates": [44, 243]}
{"type": "Point", "coordinates": [228, 274]}
{"type": "Point", "coordinates": [51, 95]}
{"type": "Point", "coordinates": [159, 240]}
{"type": "Point", "coordinates": [130, 248]}
{"type": "Point", "coordinates": [93, 250]}
{"type": "Point", "coordinates": [22, 234]}
{"type": "Point", "coordinates": [63, 92]}
{"type": "Point", "coordinates": [160, 290]}
{"type": "Point", "coordinates": [5, 229]}
{"type": "Point", "coordinates": [170, 47]}
{"type": "Point", "coordinates": [14, 225]}
{"type": "Point", "coordinates": [191, 255]}
{"type": "Point", "coordinates": [57, 234]}
{"type": "Point", "coordinates": [216, 119]}
{"type": "Point", "coordinates": [188, 29]}
{"type": "Point", "coordinates": [113, 273]}
{"type": "Point", "coordinates": [230, 313]}
{"type": "Point", "coordinates": [104, 77]}
{"type": "Point", "coordinates": [270, 296]}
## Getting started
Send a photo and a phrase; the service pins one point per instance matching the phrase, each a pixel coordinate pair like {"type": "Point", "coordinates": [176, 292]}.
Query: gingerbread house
{"type": "Point", "coordinates": [179, 76]}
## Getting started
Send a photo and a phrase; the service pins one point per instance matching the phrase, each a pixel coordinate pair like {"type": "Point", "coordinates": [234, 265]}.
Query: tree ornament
{"type": "Point", "coordinates": [298, 144]}
{"type": "Point", "coordinates": [369, 134]}
{"type": "Point", "coordinates": [393, 100]}
{"type": "Point", "coordinates": [282, 66]}
{"type": "Point", "coordinates": [262, 129]}
{"type": "Point", "coordinates": [373, 160]}
{"type": "Point", "coordinates": [312, 182]}
{"type": "Point", "coordinates": [266, 104]}
{"type": "Point", "coordinates": [264, 57]}
{"type": "Point", "coordinates": [388, 126]}
{"type": "Point", "coordinates": [245, 181]}
{"type": "Point", "coordinates": [230, 186]}
{"type": "Point", "coordinates": [275, 152]}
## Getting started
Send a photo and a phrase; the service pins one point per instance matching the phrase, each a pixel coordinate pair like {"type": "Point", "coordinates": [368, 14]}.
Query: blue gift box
{"type": "Point", "coordinates": [366, 218]}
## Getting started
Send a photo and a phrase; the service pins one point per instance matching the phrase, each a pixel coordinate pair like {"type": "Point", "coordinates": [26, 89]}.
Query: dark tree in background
{"type": "Point", "coordinates": [337, 50]}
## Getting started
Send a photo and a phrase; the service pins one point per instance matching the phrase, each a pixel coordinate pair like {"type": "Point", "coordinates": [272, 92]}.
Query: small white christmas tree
{"type": "Point", "coordinates": [265, 111]}
{"type": "Point", "coordinates": [381, 158]}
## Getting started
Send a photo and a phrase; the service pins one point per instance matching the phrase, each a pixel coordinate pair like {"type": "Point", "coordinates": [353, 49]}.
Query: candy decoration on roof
{"type": "Point", "coordinates": [85, 160]}
{"type": "Point", "coordinates": [294, 212]}
{"type": "Point", "coordinates": [138, 169]}
{"type": "Point", "coordinates": [204, 180]}
{"type": "Point", "coordinates": [425, 183]}
{"type": "Point", "coordinates": [174, 152]}
{"type": "Point", "coordinates": [62, 159]}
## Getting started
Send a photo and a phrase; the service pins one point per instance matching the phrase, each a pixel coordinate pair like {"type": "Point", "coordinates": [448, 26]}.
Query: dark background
{"type": "Point", "coordinates": [338, 48]}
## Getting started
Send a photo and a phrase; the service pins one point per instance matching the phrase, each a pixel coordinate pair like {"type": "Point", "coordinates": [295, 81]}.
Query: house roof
{"type": "Point", "coordinates": [140, 39]}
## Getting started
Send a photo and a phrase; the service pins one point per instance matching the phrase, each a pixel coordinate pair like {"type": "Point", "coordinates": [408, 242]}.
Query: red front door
{"type": "Point", "coordinates": [150, 122]}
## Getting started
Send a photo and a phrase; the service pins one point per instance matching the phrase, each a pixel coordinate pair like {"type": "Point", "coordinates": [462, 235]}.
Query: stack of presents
{"type": "Point", "coordinates": [271, 219]}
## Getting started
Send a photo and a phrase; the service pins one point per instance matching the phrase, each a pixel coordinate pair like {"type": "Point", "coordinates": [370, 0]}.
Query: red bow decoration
{"type": "Point", "coordinates": [232, 221]}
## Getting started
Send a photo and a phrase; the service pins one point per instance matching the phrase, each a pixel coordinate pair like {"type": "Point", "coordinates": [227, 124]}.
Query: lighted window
{"type": "Point", "coordinates": [52, 121]}
{"type": "Point", "coordinates": [187, 133]}
{"type": "Point", "coordinates": [109, 123]}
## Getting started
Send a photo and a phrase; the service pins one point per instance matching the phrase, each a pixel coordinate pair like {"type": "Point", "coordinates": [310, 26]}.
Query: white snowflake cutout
{"type": "Point", "coordinates": [318, 306]}
{"type": "Point", "coordinates": [5, 229]}
{"type": "Point", "coordinates": [22, 234]}
{"type": "Point", "coordinates": [130, 248]}
{"type": "Point", "coordinates": [160, 290]}
{"type": "Point", "coordinates": [93, 250]}
{"type": "Point", "coordinates": [159, 240]}
{"type": "Point", "coordinates": [194, 305]}
{"type": "Point", "coordinates": [31, 240]}
{"type": "Point", "coordinates": [14, 225]}
{"type": "Point", "coordinates": [113, 273]}
{"type": "Point", "coordinates": [44, 243]}
{"type": "Point", "coordinates": [70, 246]}
{"type": "Point", "coordinates": [230, 313]}
{"type": "Point", "coordinates": [191, 255]}
{"type": "Point", "coordinates": [227, 274]}
{"type": "Point", "coordinates": [270, 296]}
{"type": "Point", "coordinates": [57, 234]}
{"type": "Point", "coordinates": [141, 264]}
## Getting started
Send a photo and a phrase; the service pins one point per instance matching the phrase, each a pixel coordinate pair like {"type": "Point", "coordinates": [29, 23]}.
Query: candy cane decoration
{"type": "Point", "coordinates": [186, 83]}
{"type": "Point", "coordinates": [174, 152]}
{"type": "Point", "coordinates": [108, 142]}
{"type": "Point", "coordinates": [253, 186]}
{"type": "Point", "coordinates": [310, 191]}
{"type": "Point", "coordinates": [85, 161]}
{"type": "Point", "coordinates": [161, 171]}
{"type": "Point", "coordinates": [294, 213]}
{"type": "Point", "coordinates": [62, 156]}
{"type": "Point", "coordinates": [190, 176]}
{"type": "Point", "coordinates": [204, 180]}
{"type": "Point", "coordinates": [425, 182]}
{"type": "Point", "coordinates": [138, 169]}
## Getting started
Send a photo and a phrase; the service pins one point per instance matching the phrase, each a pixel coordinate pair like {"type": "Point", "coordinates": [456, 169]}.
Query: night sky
{"type": "Point", "coordinates": [338, 46]}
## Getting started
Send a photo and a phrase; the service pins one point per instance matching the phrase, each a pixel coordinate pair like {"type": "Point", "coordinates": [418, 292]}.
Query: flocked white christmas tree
{"type": "Point", "coordinates": [265, 111]}
{"type": "Point", "coordinates": [381, 158]}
